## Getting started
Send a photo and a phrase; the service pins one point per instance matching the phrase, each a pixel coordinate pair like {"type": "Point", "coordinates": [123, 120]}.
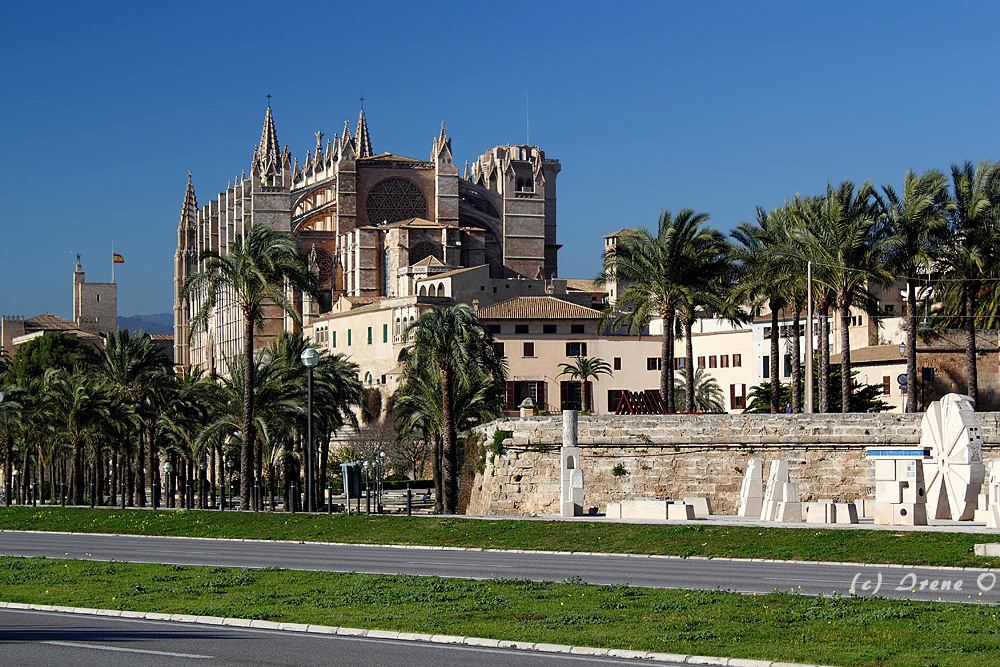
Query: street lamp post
{"type": "Point", "coordinates": [229, 467]}
{"type": "Point", "coordinates": [381, 479]}
{"type": "Point", "coordinates": [14, 488]}
{"type": "Point", "coordinates": [309, 357]}
{"type": "Point", "coordinates": [368, 491]}
{"type": "Point", "coordinates": [168, 468]}
{"type": "Point", "coordinates": [202, 486]}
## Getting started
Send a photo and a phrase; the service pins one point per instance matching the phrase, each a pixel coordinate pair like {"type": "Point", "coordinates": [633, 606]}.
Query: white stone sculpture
{"type": "Point", "coordinates": [781, 498]}
{"type": "Point", "coordinates": [900, 493]}
{"type": "Point", "coordinates": [955, 471]}
{"type": "Point", "coordinates": [571, 487]}
{"type": "Point", "coordinates": [988, 511]}
{"type": "Point", "coordinates": [752, 489]}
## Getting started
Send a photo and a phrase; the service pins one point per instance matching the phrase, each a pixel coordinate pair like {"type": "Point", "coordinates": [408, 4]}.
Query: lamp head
{"type": "Point", "coordinates": [309, 357]}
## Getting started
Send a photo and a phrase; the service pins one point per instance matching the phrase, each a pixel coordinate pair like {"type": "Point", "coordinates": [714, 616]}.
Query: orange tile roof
{"type": "Point", "coordinates": [537, 308]}
{"type": "Point", "coordinates": [873, 354]}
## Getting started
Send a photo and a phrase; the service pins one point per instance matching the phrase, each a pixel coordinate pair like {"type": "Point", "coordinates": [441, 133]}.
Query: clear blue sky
{"type": "Point", "coordinates": [715, 106]}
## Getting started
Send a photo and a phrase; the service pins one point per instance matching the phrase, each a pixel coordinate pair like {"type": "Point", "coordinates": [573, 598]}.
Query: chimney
{"type": "Point", "coordinates": [475, 305]}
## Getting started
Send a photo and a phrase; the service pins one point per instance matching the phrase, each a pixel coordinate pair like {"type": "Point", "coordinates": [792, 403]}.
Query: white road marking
{"type": "Point", "coordinates": [128, 650]}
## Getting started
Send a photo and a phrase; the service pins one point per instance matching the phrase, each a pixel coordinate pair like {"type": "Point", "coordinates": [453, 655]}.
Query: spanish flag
{"type": "Point", "coordinates": [118, 259]}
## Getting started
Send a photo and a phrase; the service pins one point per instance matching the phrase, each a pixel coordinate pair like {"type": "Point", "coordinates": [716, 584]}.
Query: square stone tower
{"type": "Point", "coordinates": [95, 305]}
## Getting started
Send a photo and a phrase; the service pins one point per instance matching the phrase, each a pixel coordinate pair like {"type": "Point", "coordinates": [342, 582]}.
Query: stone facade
{"type": "Point", "coordinates": [677, 456]}
{"type": "Point", "coordinates": [370, 224]}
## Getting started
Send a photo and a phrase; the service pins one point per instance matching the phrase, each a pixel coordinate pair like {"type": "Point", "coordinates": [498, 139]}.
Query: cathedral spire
{"type": "Point", "coordinates": [466, 176]}
{"type": "Point", "coordinates": [267, 160]}
{"type": "Point", "coordinates": [364, 143]}
{"type": "Point", "coordinates": [444, 135]}
{"type": "Point", "coordinates": [189, 210]}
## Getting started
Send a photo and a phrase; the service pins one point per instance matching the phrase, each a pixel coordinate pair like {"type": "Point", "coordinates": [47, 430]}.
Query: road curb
{"type": "Point", "coordinates": [947, 568]}
{"type": "Point", "coordinates": [389, 635]}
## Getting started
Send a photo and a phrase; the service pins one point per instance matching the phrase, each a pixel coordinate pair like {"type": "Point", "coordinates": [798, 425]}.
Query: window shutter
{"type": "Point", "coordinates": [583, 349]}
{"type": "Point", "coordinates": [569, 350]}
{"type": "Point", "coordinates": [563, 394]}
{"type": "Point", "coordinates": [732, 396]}
{"type": "Point", "coordinates": [510, 395]}
{"type": "Point", "coordinates": [540, 391]}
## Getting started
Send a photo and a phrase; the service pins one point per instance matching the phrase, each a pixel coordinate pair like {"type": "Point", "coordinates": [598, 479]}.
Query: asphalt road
{"type": "Point", "coordinates": [708, 574]}
{"type": "Point", "coordinates": [41, 639]}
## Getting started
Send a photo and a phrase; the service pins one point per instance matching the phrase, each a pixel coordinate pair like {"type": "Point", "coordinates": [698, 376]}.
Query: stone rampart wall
{"type": "Point", "coordinates": [673, 456]}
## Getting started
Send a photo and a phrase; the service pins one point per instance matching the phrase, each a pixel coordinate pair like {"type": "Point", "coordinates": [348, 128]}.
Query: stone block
{"type": "Point", "coordinates": [680, 512]}
{"type": "Point", "coordinates": [885, 469]}
{"type": "Point", "coordinates": [702, 506]}
{"type": "Point", "coordinates": [820, 512]}
{"type": "Point", "coordinates": [789, 513]}
{"type": "Point", "coordinates": [644, 509]}
{"type": "Point", "coordinates": [883, 514]}
{"type": "Point", "coordinates": [789, 492]}
{"type": "Point", "coordinates": [866, 508]}
{"type": "Point", "coordinates": [889, 492]}
{"type": "Point", "coordinates": [751, 507]}
{"type": "Point", "coordinates": [909, 514]}
{"type": "Point", "coordinates": [614, 511]}
{"type": "Point", "coordinates": [846, 513]}
{"type": "Point", "coordinates": [914, 492]}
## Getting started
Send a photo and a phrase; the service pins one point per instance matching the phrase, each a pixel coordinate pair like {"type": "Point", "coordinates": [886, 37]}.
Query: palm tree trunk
{"type": "Point", "coordinates": [667, 360]}
{"type": "Point", "coordinates": [249, 433]}
{"type": "Point", "coordinates": [140, 472]}
{"type": "Point", "coordinates": [845, 354]}
{"type": "Point", "coordinates": [448, 448]}
{"type": "Point", "coordinates": [911, 345]}
{"type": "Point", "coordinates": [971, 371]}
{"type": "Point", "coordinates": [438, 477]}
{"type": "Point", "coordinates": [689, 365]}
{"type": "Point", "coordinates": [796, 363]}
{"type": "Point", "coordinates": [775, 362]}
{"type": "Point", "coordinates": [77, 472]}
{"type": "Point", "coordinates": [154, 461]}
{"type": "Point", "coordinates": [114, 478]}
{"type": "Point", "coordinates": [823, 379]}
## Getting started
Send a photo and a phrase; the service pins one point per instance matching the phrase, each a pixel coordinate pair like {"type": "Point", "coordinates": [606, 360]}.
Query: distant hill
{"type": "Point", "coordinates": [160, 323]}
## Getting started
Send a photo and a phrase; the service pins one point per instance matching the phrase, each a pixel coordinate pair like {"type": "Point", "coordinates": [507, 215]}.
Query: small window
{"type": "Point", "coordinates": [334, 339]}
{"type": "Point", "coordinates": [520, 328]}
{"type": "Point", "coordinates": [766, 370]}
{"type": "Point", "coordinates": [482, 288]}
{"type": "Point", "coordinates": [498, 349]}
{"type": "Point", "coordinates": [890, 309]}
{"type": "Point", "coordinates": [618, 363]}
{"type": "Point", "coordinates": [385, 335]}
{"type": "Point", "coordinates": [348, 338]}
{"type": "Point", "coordinates": [653, 363]}
{"type": "Point", "coordinates": [369, 335]}
{"type": "Point", "coordinates": [713, 361]}
{"type": "Point", "coordinates": [576, 329]}
{"type": "Point", "coordinates": [494, 290]}
{"type": "Point", "coordinates": [383, 379]}
{"type": "Point", "coordinates": [787, 364]}
{"type": "Point", "coordinates": [614, 398]}
{"type": "Point", "coordinates": [767, 333]}
{"type": "Point", "coordinates": [737, 396]}
{"type": "Point", "coordinates": [886, 384]}
{"type": "Point", "coordinates": [737, 360]}
{"type": "Point", "coordinates": [98, 298]}
{"type": "Point", "coordinates": [549, 329]}
{"type": "Point", "coordinates": [701, 362]}
{"type": "Point", "coordinates": [724, 361]}
{"type": "Point", "coordinates": [528, 350]}
{"type": "Point", "coordinates": [493, 328]}
{"type": "Point", "coordinates": [576, 349]}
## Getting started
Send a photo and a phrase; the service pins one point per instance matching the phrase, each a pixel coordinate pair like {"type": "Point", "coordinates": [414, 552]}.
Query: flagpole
{"type": "Point", "coordinates": [112, 261]}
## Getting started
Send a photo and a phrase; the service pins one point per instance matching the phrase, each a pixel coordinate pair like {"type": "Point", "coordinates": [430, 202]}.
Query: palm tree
{"type": "Point", "coordinates": [845, 244]}
{"type": "Point", "coordinates": [708, 396]}
{"type": "Point", "coordinates": [253, 273]}
{"type": "Point", "coordinates": [139, 373]}
{"type": "Point", "coordinates": [583, 369]}
{"type": "Point", "coordinates": [916, 223]}
{"type": "Point", "coordinates": [455, 344]}
{"type": "Point", "coordinates": [766, 276]}
{"type": "Point", "coordinates": [655, 279]}
{"type": "Point", "coordinates": [971, 259]}
{"type": "Point", "coordinates": [77, 409]}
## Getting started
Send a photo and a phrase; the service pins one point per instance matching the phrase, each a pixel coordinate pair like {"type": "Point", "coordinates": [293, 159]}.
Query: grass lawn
{"type": "Point", "coordinates": [833, 631]}
{"type": "Point", "coordinates": [865, 546]}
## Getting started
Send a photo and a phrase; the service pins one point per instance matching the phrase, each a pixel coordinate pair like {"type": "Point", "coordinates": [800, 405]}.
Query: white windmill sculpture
{"type": "Point", "coordinates": [955, 472]}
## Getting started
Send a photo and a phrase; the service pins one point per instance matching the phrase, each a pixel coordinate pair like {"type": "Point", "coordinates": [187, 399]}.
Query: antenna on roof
{"type": "Point", "coordinates": [527, 120]}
